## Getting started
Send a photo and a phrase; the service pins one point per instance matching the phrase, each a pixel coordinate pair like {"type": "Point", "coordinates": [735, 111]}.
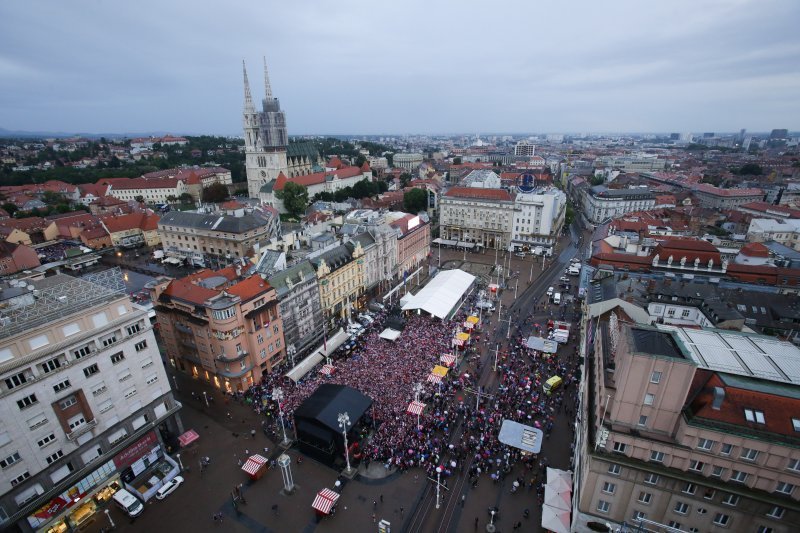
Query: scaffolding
{"type": "Point", "coordinates": [60, 296]}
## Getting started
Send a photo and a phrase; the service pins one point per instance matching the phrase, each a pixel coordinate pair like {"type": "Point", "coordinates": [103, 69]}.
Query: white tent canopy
{"type": "Point", "coordinates": [305, 366]}
{"type": "Point", "coordinates": [442, 293]}
{"type": "Point", "coordinates": [556, 520]}
{"type": "Point", "coordinates": [390, 334]}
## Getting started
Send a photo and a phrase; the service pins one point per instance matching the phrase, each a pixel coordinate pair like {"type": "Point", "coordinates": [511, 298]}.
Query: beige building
{"type": "Point", "coordinates": [477, 216]}
{"type": "Point", "coordinates": [220, 327]}
{"type": "Point", "coordinates": [134, 229]}
{"type": "Point", "coordinates": [340, 272]}
{"type": "Point", "coordinates": [203, 238]}
{"type": "Point", "coordinates": [83, 392]}
{"type": "Point", "coordinates": [689, 429]}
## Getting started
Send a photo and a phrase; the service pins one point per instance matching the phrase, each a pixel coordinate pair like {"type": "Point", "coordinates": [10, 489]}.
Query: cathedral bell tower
{"type": "Point", "coordinates": [265, 140]}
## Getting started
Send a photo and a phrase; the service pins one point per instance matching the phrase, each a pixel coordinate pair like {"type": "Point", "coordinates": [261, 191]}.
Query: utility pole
{"type": "Point", "coordinates": [496, 351]}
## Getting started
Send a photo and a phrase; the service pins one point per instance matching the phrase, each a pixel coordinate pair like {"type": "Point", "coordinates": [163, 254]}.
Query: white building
{"type": "Point", "coordinates": [86, 403]}
{"type": "Point", "coordinates": [601, 204]}
{"type": "Point", "coordinates": [538, 219]}
{"type": "Point", "coordinates": [786, 232]}
{"type": "Point", "coordinates": [407, 161]}
{"type": "Point", "coordinates": [524, 149]}
{"type": "Point", "coordinates": [482, 178]}
{"type": "Point", "coordinates": [477, 216]}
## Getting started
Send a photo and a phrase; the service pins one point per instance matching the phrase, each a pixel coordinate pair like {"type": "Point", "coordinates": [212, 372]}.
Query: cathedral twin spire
{"type": "Point", "coordinates": [248, 99]}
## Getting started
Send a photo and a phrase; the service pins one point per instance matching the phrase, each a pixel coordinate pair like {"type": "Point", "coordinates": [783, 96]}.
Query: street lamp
{"type": "Point", "coordinates": [277, 396]}
{"type": "Point", "coordinates": [175, 381]}
{"type": "Point", "coordinates": [110, 521]}
{"type": "Point", "coordinates": [344, 423]}
{"type": "Point", "coordinates": [205, 397]}
{"type": "Point", "coordinates": [438, 483]}
{"type": "Point", "coordinates": [180, 464]}
{"type": "Point", "coordinates": [417, 391]}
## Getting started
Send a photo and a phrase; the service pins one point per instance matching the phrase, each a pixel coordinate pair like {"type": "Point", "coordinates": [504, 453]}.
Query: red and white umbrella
{"type": "Point", "coordinates": [415, 408]}
{"type": "Point", "coordinates": [325, 500]}
{"type": "Point", "coordinates": [433, 378]}
{"type": "Point", "coordinates": [448, 359]}
{"type": "Point", "coordinates": [327, 370]}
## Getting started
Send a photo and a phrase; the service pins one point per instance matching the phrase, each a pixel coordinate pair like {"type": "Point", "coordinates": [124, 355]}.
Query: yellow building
{"type": "Point", "coordinates": [340, 272]}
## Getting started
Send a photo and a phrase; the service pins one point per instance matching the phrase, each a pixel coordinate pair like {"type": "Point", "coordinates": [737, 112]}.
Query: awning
{"type": "Point", "coordinates": [433, 378]}
{"type": "Point", "coordinates": [254, 464]}
{"type": "Point", "coordinates": [541, 345]}
{"type": "Point", "coordinates": [558, 500]}
{"type": "Point", "coordinates": [188, 438]}
{"type": "Point", "coordinates": [442, 294]}
{"type": "Point", "coordinates": [390, 334]}
{"type": "Point", "coordinates": [469, 325]}
{"type": "Point", "coordinates": [415, 408]}
{"type": "Point", "coordinates": [444, 242]}
{"type": "Point", "coordinates": [448, 359]}
{"type": "Point", "coordinates": [440, 371]}
{"type": "Point", "coordinates": [327, 370]}
{"type": "Point", "coordinates": [559, 480]}
{"type": "Point", "coordinates": [472, 319]}
{"type": "Point", "coordinates": [325, 500]}
{"type": "Point", "coordinates": [461, 339]}
{"type": "Point", "coordinates": [555, 520]}
{"type": "Point", "coordinates": [305, 366]}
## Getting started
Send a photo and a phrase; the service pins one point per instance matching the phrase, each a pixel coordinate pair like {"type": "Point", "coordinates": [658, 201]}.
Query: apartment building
{"type": "Point", "coordinates": [478, 216]}
{"type": "Point", "coordinates": [85, 401]}
{"type": "Point", "coordinates": [785, 232]}
{"type": "Point", "coordinates": [413, 242]}
{"type": "Point", "coordinates": [204, 237]}
{"type": "Point", "coordinates": [524, 149]}
{"type": "Point", "coordinates": [601, 204]}
{"type": "Point", "coordinates": [407, 161]}
{"type": "Point", "coordinates": [538, 219]}
{"type": "Point", "coordinates": [685, 428]}
{"type": "Point", "coordinates": [219, 326]}
{"type": "Point", "coordinates": [340, 272]}
{"type": "Point", "coordinates": [297, 290]}
{"type": "Point", "coordinates": [716, 198]}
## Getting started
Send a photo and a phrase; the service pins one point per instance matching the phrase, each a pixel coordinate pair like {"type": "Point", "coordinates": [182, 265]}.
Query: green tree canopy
{"type": "Point", "coordinates": [751, 169]}
{"type": "Point", "coordinates": [295, 198]}
{"type": "Point", "coordinates": [215, 193]}
{"type": "Point", "coordinates": [415, 200]}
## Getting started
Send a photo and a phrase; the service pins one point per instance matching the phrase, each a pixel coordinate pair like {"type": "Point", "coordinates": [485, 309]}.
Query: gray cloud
{"type": "Point", "coordinates": [354, 66]}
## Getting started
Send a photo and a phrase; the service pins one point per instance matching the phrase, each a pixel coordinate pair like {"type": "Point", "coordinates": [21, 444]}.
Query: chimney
{"type": "Point", "coordinates": [719, 396]}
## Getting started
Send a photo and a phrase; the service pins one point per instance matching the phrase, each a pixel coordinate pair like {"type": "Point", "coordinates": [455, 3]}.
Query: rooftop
{"type": "Point", "coordinates": [655, 342]}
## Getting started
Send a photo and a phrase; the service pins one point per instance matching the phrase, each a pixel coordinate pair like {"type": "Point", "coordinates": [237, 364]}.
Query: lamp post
{"type": "Point", "coordinates": [490, 526]}
{"type": "Point", "coordinates": [110, 521]}
{"type": "Point", "coordinates": [277, 396]}
{"type": "Point", "coordinates": [496, 350]}
{"type": "Point", "coordinates": [417, 391]}
{"type": "Point", "coordinates": [175, 381]}
{"type": "Point", "coordinates": [180, 464]}
{"type": "Point", "coordinates": [438, 484]}
{"type": "Point", "coordinates": [344, 423]}
{"type": "Point", "coordinates": [205, 397]}
{"type": "Point", "coordinates": [285, 462]}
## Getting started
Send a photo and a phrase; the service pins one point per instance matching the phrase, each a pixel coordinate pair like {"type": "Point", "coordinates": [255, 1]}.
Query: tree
{"type": "Point", "coordinates": [360, 160]}
{"type": "Point", "coordinates": [405, 177]}
{"type": "Point", "coordinates": [456, 160]}
{"type": "Point", "coordinates": [215, 193]}
{"type": "Point", "coordinates": [295, 198]}
{"type": "Point", "coordinates": [415, 200]}
{"type": "Point", "coordinates": [139, 199]}
{"type": "Point", "coordinates": [53, 198]}
{"type": "Point", "coordinates": [10, 208]}
{"type": "Point", "coordinates": [751, 169]}
{"type": "Point", "coordinates": [185, 198]}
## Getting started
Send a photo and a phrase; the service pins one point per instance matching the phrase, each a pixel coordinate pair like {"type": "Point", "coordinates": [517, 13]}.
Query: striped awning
{"type": "Point", "coordinates": [325, 500]}
{"type": "Point", "coordinates": [188, 438]}
{"type": "Point", "coordinates": [254, 464]}
{"type": "Point", "coordinates": [415, 408]}
{"type": "Point", "coordinates": [327, 370]}
{"type": "Point", "coordinates": [434, 378]}
{"type": "Point", "coordinates": [468, 325]}
{"type": "Point", "coordinates": [448, 359]}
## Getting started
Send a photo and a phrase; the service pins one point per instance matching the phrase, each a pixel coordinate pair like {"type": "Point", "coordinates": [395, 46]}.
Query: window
{"type": "Point", "coordinates": [655, 377]}
{"type": "Point", "coordinates": [91, 370]}
{"type": "Point", "coordinates": [739, 476]}
{"type": "Point", "coordinates": [117, 357]}
{"type": "Point", "coordinates": [76, 422]}
{"type": "Point", "coordinates": [46, 440]}
{"type": "Point", "coordinates": [609, 488]}
{"type": "Point", "coordinates": [20, 478]}
{"type": "Point", "coordinates": [764, 529]}
{"type": "Point", "coordinates": [717, 471]}
{"type": "Point", "coordinates": [705, 444]}
{"type": "Point", "coordinates": [721, 519]}
{"type": "Point", "coordinates": [649, 399]}
{"type": "Point", "coordinates": [796, 424]}
{"type": "Point", "coordinates": [776, 512]}
{"type": "Point", "coordinates": [638, 515]}
{"type": "Point", "coordinates": [620, 447]}
{"type": "Point", "coordinates": [61, 385]}
{"type": "Point", "coordinates": [10, 460]}
{"type": "Point", "coordinates": [708, 495]}
{"type": "Point", "coordinates": [68, 402]}
{"type": "Point", "coordinates": [651, 479]}
{"type": "Point", "coordinates": [726, 449]}
{"type": "Point", "coordinates": [16, 380]}
{"type": "Point", "coordinates": [657, 457]}
{"type": "Point", "coordinates": [696, 466]}
{"type": "Point", "coordinates": [752, 415]}
{"type": "Point", "coordinates": [690, 488]}
{"type": "Point", "coordinates": [749, 454]}
{"type": "Point", "coordinates": [730, 499]}
{"type": "Point", "coordinates": [82, 352]}
{"type": "Point", "coordinates": [130, 393]}
{"type": "Point", "coordinates": [674, 524]}
{"type": "Point", "coordinates": [263, 353]}
{"type": "Point", "coordinates": [794, 464]}
{"type": "Point", "coordinates": [139, 346]}
{"type": "Point", "coordinates": [27, 401]}
{"type": "Point", "coordinates": [614, 469]}
{"type": "Point", "coordinates": [685, 313]}
{"type": "Point", "coordinates": [681, 508]}
{"type": "Point", "coordinates": [52, 458]}
{"type": "Point", "coordinates": [603, 506]}
{"type": "Point", "coordinates": [645, 497]}
{"type": "Point", "coordinates": [111, 339]}
{"type": "Point", "coordinates": [51, 365]}
{"type": "Point", "coordinates": [642, 420]}
{"type": "Point", "coordinates": [260, 338]}
{"type": "Point", "coordinates": [784, 488]}
{"type": "Point", "coordinates": [152, 379]}
{"type": "Point", "coordinates": [133, 329]}
{"type": "Point", "coordinates": [225, 314]}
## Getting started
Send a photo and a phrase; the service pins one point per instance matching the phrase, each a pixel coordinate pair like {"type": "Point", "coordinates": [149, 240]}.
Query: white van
{"type": "Point", "coordinates": [128, 503]}
{"type": "Point", "coordinates": [557, 298]}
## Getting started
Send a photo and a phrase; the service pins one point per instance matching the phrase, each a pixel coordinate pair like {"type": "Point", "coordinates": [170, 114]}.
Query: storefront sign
{"type": "Point", "coordinates": [71, 496]}
{"type": "Point", "coordinates": [136, 451]}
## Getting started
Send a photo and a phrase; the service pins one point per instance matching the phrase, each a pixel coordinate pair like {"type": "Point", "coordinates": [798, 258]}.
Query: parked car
{"type": "Point", "coordinates": [565, 279]}
{"type": "Point", "coordinates": [550, 291]}
{"type": "Point", "coordinates": [169, 487]}
{"type": "Point", "coordinates": [520, 254]}
{"type": "Point", "coordinates": [485, 305]}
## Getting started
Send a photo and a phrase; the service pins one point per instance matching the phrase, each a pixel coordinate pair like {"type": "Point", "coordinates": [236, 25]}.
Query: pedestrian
{"type": "Point", "coordinates": [253, 433]}
{"type": "Point", "coordinates": [381, 498]}
{"type": "Point", "coordinates": [401, 512]}
{"type": "Point", "coordinates": [374, 518]}
{"type": "Point", "coordinates": [374, 504]}
{"type": "Point", "coordinates": [476, 523]}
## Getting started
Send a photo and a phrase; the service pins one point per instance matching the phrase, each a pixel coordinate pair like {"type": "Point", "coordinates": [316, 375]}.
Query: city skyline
{"type": "Point", "coordinates": [353, 68]}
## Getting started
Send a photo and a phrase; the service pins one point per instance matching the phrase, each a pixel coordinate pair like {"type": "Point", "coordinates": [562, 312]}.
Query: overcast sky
{"type": "Point", "coordinates": [409, 66]}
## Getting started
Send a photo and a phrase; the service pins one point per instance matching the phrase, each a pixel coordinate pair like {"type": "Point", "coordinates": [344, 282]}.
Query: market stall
{"type": "Point", "coordinates": [255, 466]}
{"type": "Point", "coordinates": [325, 501]}
{"type": "Point", "coordinates": [447, 359]}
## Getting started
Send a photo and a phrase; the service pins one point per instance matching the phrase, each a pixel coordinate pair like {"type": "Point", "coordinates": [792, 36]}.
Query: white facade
{"type": "Point", "coordinates": [786, 232]}
{"type": "Point", "coordinates": [483, 221]}
{"type": "Point", "coordinates": [538, 219]}
{"type": "Point", "coordinates": [82, 379]}
{"type": "Point", "coordinates": [601, 204]}
{"type": "Point", "coordinates": [407, 161]}
{"type": "Point", "coordinates": [159, 193]}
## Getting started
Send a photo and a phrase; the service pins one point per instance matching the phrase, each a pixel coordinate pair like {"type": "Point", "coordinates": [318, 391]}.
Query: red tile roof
{"type": "Point", "coordinates": [755, 249]}
{"type": "Point", "coordinates": [143, 221]}
{"type": "Point", "coordinates": [717, 191]}
{"type": "Point", "coordinates": [27, 224]}
{"type": "Point", "coordinates": [249, 288]}
{"type": "Point", "coordinates": [189, 292]}
{"type": "Point", "coordinates": [317, 177]}
{"type": "Point", "coordinates": [779, 210]}
{"type": "Point", "coordinates": [479, 192]}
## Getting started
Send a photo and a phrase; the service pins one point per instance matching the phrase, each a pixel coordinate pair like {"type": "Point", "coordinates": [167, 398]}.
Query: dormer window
{"type": "Point", "coordinates": [757, 417]}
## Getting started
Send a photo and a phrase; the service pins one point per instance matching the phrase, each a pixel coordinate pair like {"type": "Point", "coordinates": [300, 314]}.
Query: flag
{"type": "Point", "coordinates": [325, 342]}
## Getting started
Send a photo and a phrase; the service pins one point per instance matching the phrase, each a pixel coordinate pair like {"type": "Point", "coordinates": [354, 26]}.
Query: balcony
{"type": "Point", "coordinates": [80, 430]}
{"type": "Point", "coordinates": [223, 358]}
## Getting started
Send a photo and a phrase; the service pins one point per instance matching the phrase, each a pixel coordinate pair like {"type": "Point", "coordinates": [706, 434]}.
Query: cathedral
{"type": "Point", "coordinates": [268, 152]}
